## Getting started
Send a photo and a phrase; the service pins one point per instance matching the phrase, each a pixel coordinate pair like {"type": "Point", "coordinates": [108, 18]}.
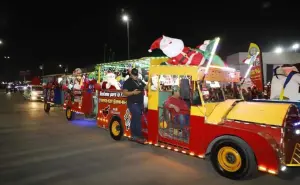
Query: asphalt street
{"type": "Point", "coordinates": [45, 149]}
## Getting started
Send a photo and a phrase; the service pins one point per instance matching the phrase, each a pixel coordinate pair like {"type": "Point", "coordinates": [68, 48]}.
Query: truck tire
{"type": "Point", "coordinates": [69, 114]}
{"type": "Point", "coordinates": [234, 159]}
{"type": "Point", "coordinates": [116, 129]}
{"type": "Point", "coordinates": [46, 107]}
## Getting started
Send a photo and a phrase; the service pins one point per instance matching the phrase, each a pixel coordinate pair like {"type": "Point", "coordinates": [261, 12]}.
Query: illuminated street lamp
{"type": "Point", "coordinates": [1, 42]}
{"type": "Point", "coordinates": [278, 50]}
{"type": "Point", "coordinates": [126, 19]}
{"type": "Point", "coordinates": [42, 68]}
{"type": "Point", "coordinates": [65, 67]}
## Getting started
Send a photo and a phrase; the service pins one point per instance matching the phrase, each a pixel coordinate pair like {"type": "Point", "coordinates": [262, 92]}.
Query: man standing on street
{"type": "Point", "coordinates": [133, 88]}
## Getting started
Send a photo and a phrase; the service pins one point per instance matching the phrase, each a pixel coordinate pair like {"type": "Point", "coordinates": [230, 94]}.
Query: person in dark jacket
{"type": "Point", "coordinates": [133, 88]}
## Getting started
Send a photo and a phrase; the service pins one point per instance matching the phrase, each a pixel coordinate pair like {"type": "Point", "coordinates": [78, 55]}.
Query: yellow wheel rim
{"type": "Point", "coordinates": [229, 159]}
{"type": "Point", "coordinates": [69, 113]}
{"type": "Point", "coordinates": [115, 128]}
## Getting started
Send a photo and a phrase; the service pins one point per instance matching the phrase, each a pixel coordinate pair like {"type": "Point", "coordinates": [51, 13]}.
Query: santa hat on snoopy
{"type": "Point", "coordinates": [155, 44]}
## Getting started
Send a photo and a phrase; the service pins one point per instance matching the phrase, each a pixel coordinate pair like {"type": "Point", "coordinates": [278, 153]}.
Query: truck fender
{"type": "Point", "coordinates": [116, 117]}
{"type": "Point", "coordinates": [216, 140]}
{"type": "Point", "coordinates": [273, 144]}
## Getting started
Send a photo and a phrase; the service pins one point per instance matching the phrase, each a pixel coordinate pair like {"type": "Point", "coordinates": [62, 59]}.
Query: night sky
{"type": "Point", "coordinates": [74, 33]}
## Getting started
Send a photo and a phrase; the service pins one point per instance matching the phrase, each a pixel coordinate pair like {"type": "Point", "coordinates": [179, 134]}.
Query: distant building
{"type": "Point", "coordinates": [270, 61]}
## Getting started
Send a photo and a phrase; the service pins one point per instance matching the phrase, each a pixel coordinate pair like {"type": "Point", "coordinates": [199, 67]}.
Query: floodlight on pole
{"type": "Point", "coordinates": [295, 46]}
{"type": "Point", "coordinates": [278, 50]}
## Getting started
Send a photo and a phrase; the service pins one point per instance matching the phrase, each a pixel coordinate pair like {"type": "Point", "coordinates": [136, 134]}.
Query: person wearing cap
{"type": "Point", "coordinates": [133, 88]}
{"type": "Point", "coordinates": [177, 107]}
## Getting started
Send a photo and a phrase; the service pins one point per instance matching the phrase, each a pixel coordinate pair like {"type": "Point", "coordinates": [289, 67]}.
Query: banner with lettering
{"type": "Point", "coordinates": [256, 73]}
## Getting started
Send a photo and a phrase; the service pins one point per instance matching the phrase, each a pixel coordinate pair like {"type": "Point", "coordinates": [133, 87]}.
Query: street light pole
{"type": "Point", "coordinates": [109, 55]}
{"type": "Point", "coordinates": [104, 53]}
{"type": "Point", "coordinates": [113, 56]}
{"type": "Point", "coordinates": [67, 69]}
{"type": "Point", "coordinates": [42, 69]}
{"type": "Point", "coordinates": [126, 19]}
{"type": "Point", "coordinates": [128, 40]}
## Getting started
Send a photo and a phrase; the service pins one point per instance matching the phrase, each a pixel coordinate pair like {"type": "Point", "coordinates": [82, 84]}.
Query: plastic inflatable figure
{"type": "Point", "coordinates": [77, 72]}
{"type": "Point", "coordinates": [111, 83]}
{"type": "Point", "coordinates": [182, 55]}
{"type": "Point", "coordinates": [154, 83]}
{"type": "Point", "coordinates": [285, 83]}
{"type": "Point", "coordinates": [77, 85]}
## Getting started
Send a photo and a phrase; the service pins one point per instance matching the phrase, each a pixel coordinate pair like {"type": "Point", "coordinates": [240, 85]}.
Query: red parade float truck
{"type": "Point", "coordinates": [79, 92]}
{"type": "Point", "coordinates": [240, 138]}
{"type": "Point", "coordinates": [111, 99]}
{"type": "Point", "coordinates": [82, 90]}
{"type": "Point", "coordinates": [52, 91]}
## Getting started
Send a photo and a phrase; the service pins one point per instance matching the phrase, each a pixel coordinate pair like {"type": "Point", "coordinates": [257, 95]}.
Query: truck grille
{"type": "Point", "coordinates": [296, 155]}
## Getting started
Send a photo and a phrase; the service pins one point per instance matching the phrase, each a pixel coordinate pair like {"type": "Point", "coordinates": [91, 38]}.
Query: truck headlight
{"type": "Point", "coordinates": [297, 132]}
{"type": "Point", "coordinates": [283, 168]}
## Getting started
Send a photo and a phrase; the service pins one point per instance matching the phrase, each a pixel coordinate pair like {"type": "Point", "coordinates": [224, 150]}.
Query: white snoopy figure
{"type": "Point", "coordinates": [291, 91]}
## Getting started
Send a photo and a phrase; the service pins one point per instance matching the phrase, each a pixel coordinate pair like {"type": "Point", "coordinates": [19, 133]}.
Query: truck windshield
{"type": "Point", "coordinates": [219, 91]}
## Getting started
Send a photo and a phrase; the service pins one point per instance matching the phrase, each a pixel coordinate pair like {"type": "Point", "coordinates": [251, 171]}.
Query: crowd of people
{"type": "Point", "coordinates": [253, 93]}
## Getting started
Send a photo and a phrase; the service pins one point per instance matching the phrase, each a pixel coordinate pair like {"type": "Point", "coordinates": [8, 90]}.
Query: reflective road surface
{"type": "Point", "coordinates": [38, 148]}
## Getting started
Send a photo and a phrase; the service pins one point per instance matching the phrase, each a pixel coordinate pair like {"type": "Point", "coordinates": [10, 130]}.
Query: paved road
{"type": "Point", "coordinates": [37, 148]}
